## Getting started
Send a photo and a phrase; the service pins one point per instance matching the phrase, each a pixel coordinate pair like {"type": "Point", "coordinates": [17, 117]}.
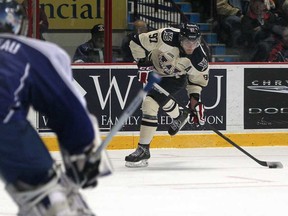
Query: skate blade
{"type": "Point", "coordinates": [142, 163]}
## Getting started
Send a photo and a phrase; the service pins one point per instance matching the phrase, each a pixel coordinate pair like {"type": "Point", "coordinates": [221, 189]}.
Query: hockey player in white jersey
{"type": "Point", "coordinates": [178, 56]}
{"type": "Point", "coordinates": [36, 73]}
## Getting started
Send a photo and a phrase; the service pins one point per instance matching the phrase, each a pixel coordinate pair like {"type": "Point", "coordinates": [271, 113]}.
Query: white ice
{"type": "Point", "coordinates": [189, 182]}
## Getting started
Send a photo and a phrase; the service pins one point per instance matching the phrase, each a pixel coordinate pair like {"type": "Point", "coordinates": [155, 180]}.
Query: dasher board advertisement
{"type": "Point", "coordinates": [265, 98]}
{"type": "Point", "coordinates": [109, 91]}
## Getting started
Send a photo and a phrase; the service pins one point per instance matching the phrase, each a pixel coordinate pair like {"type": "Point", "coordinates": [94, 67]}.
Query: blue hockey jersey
{"type": "Point", "coordinates": [38, 73]}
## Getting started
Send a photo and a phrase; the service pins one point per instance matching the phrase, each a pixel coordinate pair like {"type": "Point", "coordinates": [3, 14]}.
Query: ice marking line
{"type": "Point", "coordinates": [5, 214]}
{"type": "Point", "coordinates": [199, 184]}
{"type": "Point", "coordinates": [223, 185]}
{"type": "Point", "coordinates": [232, 187]}
{"type": "Point", "coordinates": [259, 180]}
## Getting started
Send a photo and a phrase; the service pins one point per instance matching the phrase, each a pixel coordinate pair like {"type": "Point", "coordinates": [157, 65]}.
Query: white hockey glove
{"type": "Point", "coordinates": [144, 68]}
{"type": "Point", "coordinates": [197, 117]}
{"type": "Point", "coordinates": [83, 168]}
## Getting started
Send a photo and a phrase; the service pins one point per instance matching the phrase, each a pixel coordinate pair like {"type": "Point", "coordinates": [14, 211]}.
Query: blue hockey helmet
{"type": "Point", "coordinates": [190, 31]}
{"type": "Point", "coordinates": [12, 18]}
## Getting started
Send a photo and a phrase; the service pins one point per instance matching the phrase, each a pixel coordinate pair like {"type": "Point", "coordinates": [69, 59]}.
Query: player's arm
{"type": "Point", "coordinates": [141, 44]}
{"type": "Point", "coordinates": [198, 77]}
{"type": "Point", "coordinates": [77, 131]}
{"type": "Point", "coordinates": [198, 74]}
{"type": "Point", "coordinates": [79, 135]}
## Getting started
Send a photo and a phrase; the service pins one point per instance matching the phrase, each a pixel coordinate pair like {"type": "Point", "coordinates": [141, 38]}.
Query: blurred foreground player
{"type": "Point", "coordinates": [36, 73]}
{"type": "Point", "coordinates": [178, 56]}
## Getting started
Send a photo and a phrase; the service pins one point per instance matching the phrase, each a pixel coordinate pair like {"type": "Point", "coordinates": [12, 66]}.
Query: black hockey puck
{"type": "Point", "coordinates": [273, 166]}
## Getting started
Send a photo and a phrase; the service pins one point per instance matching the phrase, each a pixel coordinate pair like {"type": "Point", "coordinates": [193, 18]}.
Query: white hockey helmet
{"type": "Point", "coordinates": [12, 18]}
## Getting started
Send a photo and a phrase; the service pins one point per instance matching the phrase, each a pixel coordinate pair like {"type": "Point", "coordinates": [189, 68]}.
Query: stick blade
{"type": "Point", "coordinates": [274, 165]}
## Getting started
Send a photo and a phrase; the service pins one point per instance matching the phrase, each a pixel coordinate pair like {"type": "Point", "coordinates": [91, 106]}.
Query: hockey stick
{"type": "Point", "coordinates": [262, 163]}
{"type": "Point", "coordinates": [153, 79]}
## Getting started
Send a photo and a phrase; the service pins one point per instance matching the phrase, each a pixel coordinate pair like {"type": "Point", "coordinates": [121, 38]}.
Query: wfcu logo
{"type": "Point", "coordinates": [109, 91]}
{"type": "Point", "coordinates": [265, 98]}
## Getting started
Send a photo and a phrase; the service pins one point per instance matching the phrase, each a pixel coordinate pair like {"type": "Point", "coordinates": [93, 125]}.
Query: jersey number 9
{"type": "Point", "coordinates": [153, 38]}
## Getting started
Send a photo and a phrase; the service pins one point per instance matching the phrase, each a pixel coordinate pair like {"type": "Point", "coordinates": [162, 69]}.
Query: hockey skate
{"type": "Point", "coordinates": [139, 158]}
{"type": "Point", "coordinates": [178, 123]}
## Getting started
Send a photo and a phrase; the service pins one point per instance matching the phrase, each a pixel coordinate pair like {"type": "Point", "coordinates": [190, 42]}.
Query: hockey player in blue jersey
{"type": "Point", "coordinates": [38, 74]}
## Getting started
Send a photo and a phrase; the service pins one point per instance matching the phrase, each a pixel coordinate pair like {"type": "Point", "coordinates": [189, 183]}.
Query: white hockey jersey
{"type": "Point", "coordinates": [169, 58]}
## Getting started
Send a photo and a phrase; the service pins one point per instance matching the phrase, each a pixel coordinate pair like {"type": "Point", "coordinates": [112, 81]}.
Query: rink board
{"type": "Point", "coordinates": [190, 141]}
{"type": "Point", "coordinates": [246, 102]}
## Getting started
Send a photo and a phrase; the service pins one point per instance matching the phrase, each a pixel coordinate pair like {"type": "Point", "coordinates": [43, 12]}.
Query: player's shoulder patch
{"type": "Point", "coordinates": [199, 59]}
{"type": "Point", "coordinates": [203, 64]}
{"type": "Point", "coordinates": [170, 37]}
{"type": "Point", "coordinates": [167, 36]}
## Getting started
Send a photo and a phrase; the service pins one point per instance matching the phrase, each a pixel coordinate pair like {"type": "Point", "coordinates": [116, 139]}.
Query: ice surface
{"type": "Point", "coordinates": [189, 182]}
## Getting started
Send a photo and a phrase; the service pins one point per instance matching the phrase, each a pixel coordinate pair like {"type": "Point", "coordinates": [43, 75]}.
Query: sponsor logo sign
{"type": "Point", "coordinates": [81, 15]}
{"type": "Point", "coordinates": [109, 91]}
{"type": "Point", "coordinates": [265, 98]}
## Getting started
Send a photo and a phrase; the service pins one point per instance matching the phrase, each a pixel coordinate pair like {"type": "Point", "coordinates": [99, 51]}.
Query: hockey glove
{"type": "Point", "coordinates": [197, 117]}
{"type": "Point", "coordinates": [83, 168]}
{"type": "Point", "coordinates": [144, 68]}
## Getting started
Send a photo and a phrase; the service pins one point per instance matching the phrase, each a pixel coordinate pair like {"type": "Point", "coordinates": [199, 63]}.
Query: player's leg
{"type": "Point", "coordinates": [178, 122]}
{"type": "Point", "coordinates": [179, 117]}
{"type": "Point", "coordinates": [150, 107]}
{"type": "Point", "coordinates": [29, 174]}
{"type": "Point", "coordinates": [139, 158]}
